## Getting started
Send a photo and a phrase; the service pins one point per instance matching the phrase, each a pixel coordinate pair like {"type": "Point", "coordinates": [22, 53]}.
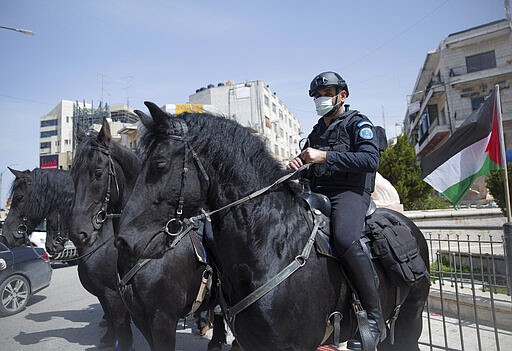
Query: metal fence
{"type": "Point", "coordinates": [470, 305]}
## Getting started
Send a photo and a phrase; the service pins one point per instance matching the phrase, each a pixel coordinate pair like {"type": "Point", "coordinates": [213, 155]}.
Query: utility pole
{"type": "Point", "coordinates": [383, 118]}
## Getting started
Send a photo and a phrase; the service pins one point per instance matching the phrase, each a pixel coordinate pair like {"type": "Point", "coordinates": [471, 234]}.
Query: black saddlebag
{"type": "Point", "coordinates": [396, 248]}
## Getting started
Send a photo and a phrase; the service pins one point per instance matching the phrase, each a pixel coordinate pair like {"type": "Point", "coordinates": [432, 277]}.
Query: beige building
{"type": "Point", "coordinates": [453, 82]}
{"type": "Point", "coordinates": [256, 107]}
{"type": "Point", "coordinates": [56, 129]}
{"type": "Point", "coordinates": [56, 136]}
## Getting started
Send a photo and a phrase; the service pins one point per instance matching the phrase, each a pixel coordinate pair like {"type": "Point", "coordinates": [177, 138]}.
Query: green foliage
{"type": "Point", "coordinates": [495, 183]}
{"type": "Point", "coordinates": [398, 165]}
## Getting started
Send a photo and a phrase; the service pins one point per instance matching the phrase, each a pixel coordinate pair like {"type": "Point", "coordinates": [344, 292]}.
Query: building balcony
{"type": "Point", "coordinates": [459, 75]}
{"type": "Point", "coordinates": [435, 136]}
{"type": "Point", "coordinates": [432, 94]}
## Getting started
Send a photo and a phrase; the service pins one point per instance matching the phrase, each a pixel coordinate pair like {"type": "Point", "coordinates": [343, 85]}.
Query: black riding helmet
{"type": "Point", "coordinates": [326, 79]}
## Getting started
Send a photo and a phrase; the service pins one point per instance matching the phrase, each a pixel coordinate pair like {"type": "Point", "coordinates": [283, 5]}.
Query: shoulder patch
{"type": "Point", "coordinates": [364, 123]}
{"type": "Point", "coordinates": [366, 133]}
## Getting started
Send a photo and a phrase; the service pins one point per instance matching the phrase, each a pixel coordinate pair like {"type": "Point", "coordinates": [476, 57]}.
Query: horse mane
{"type": "Point", "coordinates": [54, 183]}
{"type": "Point", "coordinates": [208, 134]}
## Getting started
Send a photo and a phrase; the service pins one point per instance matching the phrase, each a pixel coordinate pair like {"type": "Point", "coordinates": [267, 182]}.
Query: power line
{"type": "Point", "coordinates": [396, 36]}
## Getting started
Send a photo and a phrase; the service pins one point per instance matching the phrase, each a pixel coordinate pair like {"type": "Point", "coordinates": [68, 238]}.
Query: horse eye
{"type": "Point", "coordinates": [98, 173]}
{"type": "Point", "coordinates": [18, 197]}
{"type": "Point", "coordinates": [160, 164]}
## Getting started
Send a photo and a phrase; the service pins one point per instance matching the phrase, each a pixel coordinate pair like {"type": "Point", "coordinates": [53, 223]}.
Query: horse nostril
{"type": "Point", "coordinates": [121, 244]}
{"type": "Point", "coordinates": [83, 237]}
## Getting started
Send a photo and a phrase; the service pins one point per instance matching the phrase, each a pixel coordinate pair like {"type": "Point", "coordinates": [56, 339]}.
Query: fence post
{"type": "Point", "coordinates": [507, 245]}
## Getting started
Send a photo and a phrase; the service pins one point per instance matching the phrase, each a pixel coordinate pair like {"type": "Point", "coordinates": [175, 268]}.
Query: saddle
{"type": "Point", "coordinates": [385, 239]}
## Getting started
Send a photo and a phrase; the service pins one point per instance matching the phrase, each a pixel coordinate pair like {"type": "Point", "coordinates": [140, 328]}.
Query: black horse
{"type": "Point", "coordinates": [36, 195]}
{"type": "Point", "coordinates": [102, 186]}
{"type": "Point", "coordinates": [104, 174]}
{"type": "Point", "coordinates": [202, 162]}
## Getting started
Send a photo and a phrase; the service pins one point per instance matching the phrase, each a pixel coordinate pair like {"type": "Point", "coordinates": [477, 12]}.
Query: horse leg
{"type": "Point", "coordinates": [219, 331]}
{"type": "Point", "coordinates": [108, 339]}
{"type": "Point", "coordinates": [163, 330]}
{"type": "Point", "coordinates": [120, 321]}
{"type": "Point", "coordinates": [409, 324]}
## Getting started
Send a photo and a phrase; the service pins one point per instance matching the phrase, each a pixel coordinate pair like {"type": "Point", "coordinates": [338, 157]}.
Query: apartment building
{"type": "Point", "coordinates": [256, 107]}
{"type": "Point", "coordinates": [56, 136]}
{"type": "Point", "coordinates": [454, 80]}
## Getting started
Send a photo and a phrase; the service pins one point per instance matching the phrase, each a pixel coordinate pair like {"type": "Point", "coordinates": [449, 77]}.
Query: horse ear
{"type": "Point", "coordinates": [144, 118]}
{"type": "Point", "coordinates": [159, 116]}
{"type": "Point", "coordinates": [19, 174]}
{"type": "Point", "coordinates": [104, 135]}
{"type": "Point", "coordinates": [80, 134]}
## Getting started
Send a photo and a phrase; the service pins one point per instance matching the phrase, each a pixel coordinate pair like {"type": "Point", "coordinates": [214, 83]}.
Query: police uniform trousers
{"type": "Point", "coordinates": [347, 217]}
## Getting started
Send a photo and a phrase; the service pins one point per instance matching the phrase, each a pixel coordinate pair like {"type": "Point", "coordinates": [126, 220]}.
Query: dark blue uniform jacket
{"type": "Point", "coordinates": [352, 154]}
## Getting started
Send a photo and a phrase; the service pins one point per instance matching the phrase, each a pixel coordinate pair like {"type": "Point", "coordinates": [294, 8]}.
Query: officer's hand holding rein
{"type": "Point", "coordinates": [295, 164]}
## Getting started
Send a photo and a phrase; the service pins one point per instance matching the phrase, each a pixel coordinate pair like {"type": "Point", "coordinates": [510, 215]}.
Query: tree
{"type": "Point", "coordinates": [398, 165]}
{"type": "Point", "coordinates": [496, 186]}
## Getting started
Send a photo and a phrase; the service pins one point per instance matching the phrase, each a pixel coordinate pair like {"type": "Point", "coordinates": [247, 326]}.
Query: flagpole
{"type": "Point", "coordinates": [503, 152]}
{"type": "Point", "coordinates": [507, 227]}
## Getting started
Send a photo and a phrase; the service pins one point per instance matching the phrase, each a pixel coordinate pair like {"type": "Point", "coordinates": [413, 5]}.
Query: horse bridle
{"type": "Point", "coordinates": [22, 229]}
{"type": "Point", "coordinates": [102, 215]}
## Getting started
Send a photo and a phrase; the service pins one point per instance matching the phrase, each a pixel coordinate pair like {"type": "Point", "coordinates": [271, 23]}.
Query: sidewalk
{"type": "Point", "coordinates": [447, 337]}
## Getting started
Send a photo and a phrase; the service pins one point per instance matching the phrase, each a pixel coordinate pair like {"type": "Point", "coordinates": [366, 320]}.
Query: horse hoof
{"type": "Point", "coordinates": [214, 346]}
{"type": "Point", "coordinates": [103, 345]}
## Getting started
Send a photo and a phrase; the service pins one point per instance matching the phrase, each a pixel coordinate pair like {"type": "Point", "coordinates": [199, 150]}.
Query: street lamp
{"type": "Point", "coordinates": [20, 30]}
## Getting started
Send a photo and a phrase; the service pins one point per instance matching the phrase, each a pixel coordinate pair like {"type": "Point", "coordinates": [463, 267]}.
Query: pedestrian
{"type": "Point", "coordinates": [344, 154]}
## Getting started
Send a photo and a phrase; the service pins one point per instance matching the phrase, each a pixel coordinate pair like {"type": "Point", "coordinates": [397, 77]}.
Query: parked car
{"type": "Point", "coordinates": [26, 270]}
{"type": "Point", "coordinates": [38, 238]}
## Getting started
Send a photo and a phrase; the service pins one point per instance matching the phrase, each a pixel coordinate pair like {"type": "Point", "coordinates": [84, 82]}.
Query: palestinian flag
{"type": "Point", "coordinates": [472, 151]}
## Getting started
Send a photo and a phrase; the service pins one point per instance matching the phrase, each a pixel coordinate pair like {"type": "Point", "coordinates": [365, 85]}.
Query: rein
{"type": "Point", "coordinates": [178, 228]}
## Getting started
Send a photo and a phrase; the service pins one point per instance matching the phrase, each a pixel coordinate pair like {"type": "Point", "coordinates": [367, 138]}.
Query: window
{"type": "Point", "coordinates": [273, 107]}
{"type": "Point", "coordinates": [67, 119]}
{"type": "Point", "coordinates": [481, 61]}
{"type": "Point", "coordinates": [280, 114]}
{"type": "Point", "coordinates": [46, 145]}
{"type": "Point", "coordinates": [276, 150]}
{"type": "Point", "coordinates": [49, 122]}
{"type": "Point", "coordinates": [265, 98]}
{"type": "Point", "coordinates": [48, 133]}
{"type": "Point", "coordinates": [267, 122]}
{"type": "Point", "coordinates": [476, 102]}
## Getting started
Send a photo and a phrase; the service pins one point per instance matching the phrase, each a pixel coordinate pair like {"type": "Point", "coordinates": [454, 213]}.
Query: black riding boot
{"type": "Point", "coordinates": [361, 273]}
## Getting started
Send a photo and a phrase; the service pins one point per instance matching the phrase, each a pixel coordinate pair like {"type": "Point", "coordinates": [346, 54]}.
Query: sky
{"type": "Point", "coordinates": [130, 51]}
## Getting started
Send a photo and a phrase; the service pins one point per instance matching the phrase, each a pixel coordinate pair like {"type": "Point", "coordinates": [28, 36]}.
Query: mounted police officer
{"type": "Point", "coordinates": [343, 151]}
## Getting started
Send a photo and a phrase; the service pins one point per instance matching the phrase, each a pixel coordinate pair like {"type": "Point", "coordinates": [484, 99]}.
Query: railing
{"type": "Point", "coordinates": [469, 306]}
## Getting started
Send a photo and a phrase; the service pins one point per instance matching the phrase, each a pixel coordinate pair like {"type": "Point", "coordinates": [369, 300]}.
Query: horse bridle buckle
{"type": "Point", "coordinates": [99, 218]}
{"type": "Point", "coordinates": [173, 227]}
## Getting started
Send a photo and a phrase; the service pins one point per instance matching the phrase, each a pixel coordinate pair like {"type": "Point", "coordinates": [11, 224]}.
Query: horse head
{"type": "Point", "coordinates": [99, 181]}
{"type": "Point", "coordinates": [22, 218]}
{"type": "Point", "coordinates": [169, 187]}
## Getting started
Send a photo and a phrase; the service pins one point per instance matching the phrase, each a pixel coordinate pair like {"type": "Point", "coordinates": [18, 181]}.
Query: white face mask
{"type": "Point", "coordinates": [323, 105]}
